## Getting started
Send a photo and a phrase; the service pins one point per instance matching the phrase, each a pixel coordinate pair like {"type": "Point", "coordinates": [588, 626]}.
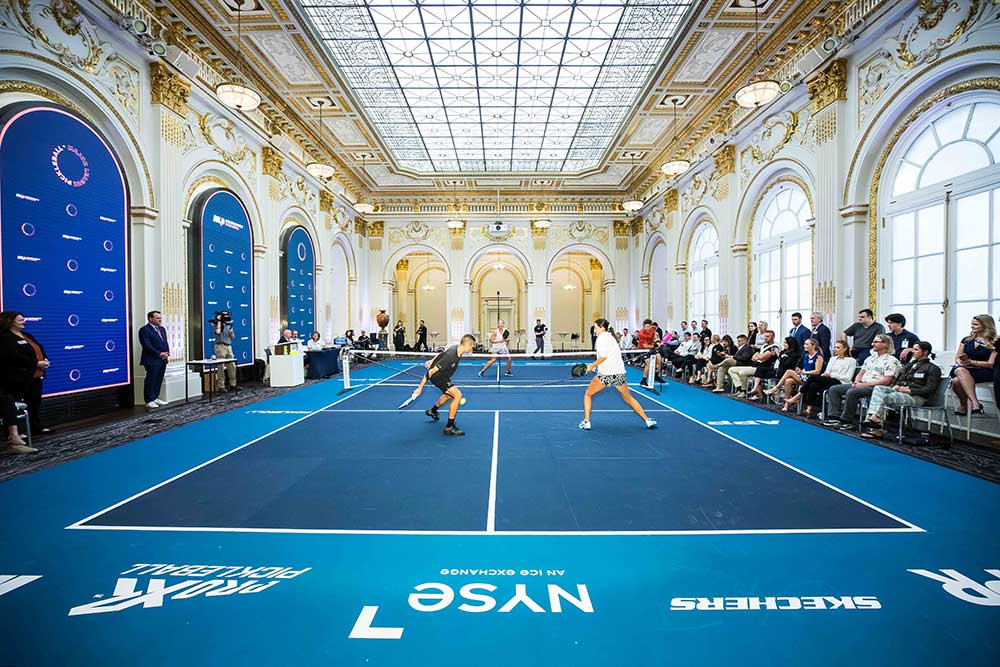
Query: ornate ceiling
{"type": "Point", "coordinates": [598, 125]}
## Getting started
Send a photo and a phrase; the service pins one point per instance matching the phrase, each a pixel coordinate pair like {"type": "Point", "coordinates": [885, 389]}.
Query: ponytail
{"type": "Point", "coordinates": [604, 324]}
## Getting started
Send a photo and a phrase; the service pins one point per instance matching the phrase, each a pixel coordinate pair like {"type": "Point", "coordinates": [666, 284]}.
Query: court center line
{"type": "Point", "coordinates": [220, 456]}
{"type": "Point", "coordinates": [491, 511]}
{"type": "Point", "coordinates": [912, 527]}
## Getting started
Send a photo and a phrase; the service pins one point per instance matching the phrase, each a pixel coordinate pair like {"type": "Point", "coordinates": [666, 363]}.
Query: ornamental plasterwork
{"type": "Point", "coordinates": [655, 218]}
{"type": "Point", "coordinates": [580, 230]}
{"type": "Point", "coordinates": [298, 190]}
{"type": "Point", "coordinates": [59, 28]}
{"type": "Point", "coordinates": [168, 88]}
{"type": "Point", "coordinates": [695, 193]}
{"type": "Point", "coordinates": [828, 86]}
{"type": "Point", "coordinates": [220, 133]}
{"type": "Point", "coordinates": [767, 142]}
{"type": "Point", "coordinates": [929, 31]}
{"type": "Point", "coordinates": [416, 230]}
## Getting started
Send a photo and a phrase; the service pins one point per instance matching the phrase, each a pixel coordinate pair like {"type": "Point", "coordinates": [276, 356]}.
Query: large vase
{"type": "Point", "coordinates": [383, 319]}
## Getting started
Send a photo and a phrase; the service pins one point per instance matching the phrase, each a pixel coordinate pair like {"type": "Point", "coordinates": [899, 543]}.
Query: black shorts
{"type": "Point", "coordinates": [444, 384]}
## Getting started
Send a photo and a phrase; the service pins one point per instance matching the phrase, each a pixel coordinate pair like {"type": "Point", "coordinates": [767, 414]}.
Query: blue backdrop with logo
{"type": "Point", "coordinates": [64, 244]}
{"type": "Point", "coordinates": [227, 271]}
{"type": "Point", "coordinates": [300, 283]}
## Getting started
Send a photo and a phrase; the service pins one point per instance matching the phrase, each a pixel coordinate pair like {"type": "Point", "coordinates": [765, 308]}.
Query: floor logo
{"type": "Point", "coordinates": [195, 580]}
{"type": "Point", "coordinates": [783, 603]}
{"type": "Point", "coordinates": [986, 594]}
{"type": "Point", "coordinates": [9, 582]}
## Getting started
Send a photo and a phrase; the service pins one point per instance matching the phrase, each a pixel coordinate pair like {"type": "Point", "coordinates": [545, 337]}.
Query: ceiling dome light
{"type": "Point", "coordinates": [233, 93]}
{"type": "Point", "coordinates": [364, 208]}
{"type": "Point", "coordinates": [455, 223]}
{"type": "Point", "coordinates": [633, 205]}
{"type": "Point", "coordinates": [321, 170]}
{"type": "Point", "coordinates": [757, 94]}
{"type": "Point", "coordinates": [541, 223]}
{"type": "Point", "coordinates": [675, 167]}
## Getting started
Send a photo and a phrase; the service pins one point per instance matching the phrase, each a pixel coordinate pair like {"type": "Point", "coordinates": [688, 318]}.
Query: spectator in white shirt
{"type": "Point", "coordinates": [839, 370]}
{"type": "Point", "coordinates": [315, 343]}
{"type": "Point", "coordinates": [626, 341]}
{"type": "Point", "coordinates": [880, 368]}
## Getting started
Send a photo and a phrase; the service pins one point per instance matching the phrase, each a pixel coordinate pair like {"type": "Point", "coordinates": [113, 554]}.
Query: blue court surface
{"type": "Point", "coordinates": [319, 528]}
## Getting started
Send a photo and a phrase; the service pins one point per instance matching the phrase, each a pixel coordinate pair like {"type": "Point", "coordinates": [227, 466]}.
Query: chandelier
{"type": "Point", "coordinates": [633, 205]}
{"type": "Point", "coordinates": [233, 93]}
{"type": "Point", "coordinates": [568, 285]}
{"type": "Point", "coordinates": [455, 222]}
{"type": "Point", "coordinates": [364, 207]}
{"type": "Point", "coordinates": [757, 93]}
{"type": "Point", "coordinates": [675, 167]}
{"type": "Point", "coordinates": [427, 272]}
{"type": "Point", "coordinates": [321, 170]}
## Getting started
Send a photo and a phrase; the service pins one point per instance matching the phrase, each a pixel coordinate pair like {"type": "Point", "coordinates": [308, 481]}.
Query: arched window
{"type": "Point", "coordinates": [782, 255]}
{"type": "Point", "coordinates": [942, 221]}
{"type": "Point", "coordinates": [703, 275]}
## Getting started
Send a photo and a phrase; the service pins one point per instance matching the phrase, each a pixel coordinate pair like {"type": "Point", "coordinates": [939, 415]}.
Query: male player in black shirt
{"type": "Point", "coordinates": [540, 331]}
{"type": "Point", "coordinates": [439, 372]}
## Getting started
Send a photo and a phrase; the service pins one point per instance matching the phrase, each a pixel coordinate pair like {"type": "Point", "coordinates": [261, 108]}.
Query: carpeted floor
{"type": "Point", "coordinates": [980, 460]}
{"type": "Point", "coordinates": [75, 440]}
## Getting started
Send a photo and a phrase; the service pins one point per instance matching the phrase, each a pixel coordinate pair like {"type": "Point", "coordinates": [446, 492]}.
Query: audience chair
{"type": "Point", "coordinates": [938, 404]}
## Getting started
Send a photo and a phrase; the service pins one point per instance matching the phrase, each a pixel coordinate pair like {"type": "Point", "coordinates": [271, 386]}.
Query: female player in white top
{"type": "Point", "coordinates": [610, 373]}
{"type": "Point", "coordinates": [498, 347]}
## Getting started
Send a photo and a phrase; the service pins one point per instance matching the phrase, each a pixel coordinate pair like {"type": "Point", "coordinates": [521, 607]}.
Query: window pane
{"type": "Point", "coordinates": [961, 324]}
{"type": "Point", "coordinates": [971, 277]}
{"type": "Point", "coordinates": [996, 272]}
{"type": "Point", "coordinates": [930, 230]}
{"type": "Point", "coordinates": [930, 274]}
{"type": "Point", "coordinates": [923, 148]}
{"type": "Point", "coordinates": [928, 325]}
{"type": "Point", "coordinates": [973, 223]}
{"type": "Point", "coordinates": [902, 236]}
{"type": "Point", "coordinates": [805, 256]}
{"type": "Point", "coordinates": [954, 160]}
{"type": "Point", "coordinates": [996, 216]}
{"type": "Point", "coordinates": [902, 281]}
{"type": "Point", "coordinates": [985, 121]}
{"type": "Point", "coordinates": [774, 294]}
{"type": "Point", "coordinates": [951, 126]}
{"type": "Point", "coordinates": [906, 179]}
{"type": "Point", "coordinates": [908, 311]}
{"type": "Point", "coordinates": [805, 296]}
{"type": "Point", "coordinates": [994, 145]}
{"type": "Point", "coordinates": [791, 261]}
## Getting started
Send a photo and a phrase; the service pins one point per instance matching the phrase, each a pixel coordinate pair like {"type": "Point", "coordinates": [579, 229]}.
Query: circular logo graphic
{"type": "Point", "coordinates": [291, 283]}
{"type": "Point", "coordinates": [293, 310]}
{"type": "Point", "coordinates": [211, 247]}
{"type": "Point", "coordinates": [300, 252]}
{"type": "Point", "coordinates": [109, 346]}
{"type": "Point", "coordinates": [109, 295]}
{"type": "Point", "coordinates": [229, 304]}
{"type": "Point", "coordinates": [229, 270]}
{"type": "Point", "coordinates": [211, 284]}
{"type": "Point", "coordinates": [28, 229]}
{"type": "Point", "coordinates": [243, 322]}
{"type": "Point", "coordinates": [244, 289]}
{"type": "Point", "coordinates": [29, 289]}
{"type": "Point", "coordinates": [302, 272]}
{"type": "Point", "coordinates": [109, 246]}
{"type": "Point", "coordinates": [74, 375]}
{"type": "Point", "coordinates": [70, 165]}
{"type": "Point", "coordinates": [72, 264]}
{"type": "Point", "coordinates": [71, 210]}
{"type": "Point", "coordinates": [73, 320]}
{"type": "Point", "coordinates": [244, 355]}
{"type": "Point", "coordinates": [243, 255]}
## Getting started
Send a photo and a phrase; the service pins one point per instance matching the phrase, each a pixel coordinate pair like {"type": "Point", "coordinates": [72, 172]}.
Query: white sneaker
{"type": "Point", "coordinates": [19, 449]}
{"type": "Point", "coordinates": [585, 425]}
{"type": "Point", "coordinates": [650, 423]}
{"type": "Point", "coordinates": [160, 401]}
{"type": "Point", "coordinates": [152, 404]}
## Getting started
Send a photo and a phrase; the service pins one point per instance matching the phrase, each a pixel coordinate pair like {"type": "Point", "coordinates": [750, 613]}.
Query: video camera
{"type": "Point", "coordinates": [223, 317]}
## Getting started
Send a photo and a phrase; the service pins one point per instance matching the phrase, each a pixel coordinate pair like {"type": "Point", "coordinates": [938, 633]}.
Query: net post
{"type": "Point", "coordinates": [345, 357]}
{"type": "Point", "coordinates": [649, 385]}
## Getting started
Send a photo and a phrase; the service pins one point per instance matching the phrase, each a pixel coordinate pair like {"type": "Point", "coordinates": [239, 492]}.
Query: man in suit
{"type": "Point", "coordinates": [799, 331]}
{"type": "Point", "coordinates": [286, 337]}
{"type": "Point", "coordinates": [822, 333]}
{"type": "Point", "coordinates": [155, 353]}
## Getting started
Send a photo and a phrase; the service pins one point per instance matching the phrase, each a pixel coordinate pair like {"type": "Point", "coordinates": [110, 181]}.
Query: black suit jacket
{"type": "Point", "coordinates": [17, 362]}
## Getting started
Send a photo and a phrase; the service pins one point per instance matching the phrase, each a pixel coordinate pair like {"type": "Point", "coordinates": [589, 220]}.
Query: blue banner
{"type": "Point", "coordinates": [300, 283]}
{"type": "Point", "coordinates": [64, 244]}
{"type": "Point", "coordinates": [227, 272]}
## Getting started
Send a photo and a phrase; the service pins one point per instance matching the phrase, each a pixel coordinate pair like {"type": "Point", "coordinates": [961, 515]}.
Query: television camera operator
{"type": "Point", "coordinates": [222, 325]}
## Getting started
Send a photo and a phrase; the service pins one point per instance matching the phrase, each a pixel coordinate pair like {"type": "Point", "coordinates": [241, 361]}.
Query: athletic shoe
{"type": "Point", "coordinates": [19, 449]}
{"type": "Point", "coordinates": [433, 414]}
{"type": "Point", "coordinates": [660, 379]}
{"type": "Point", "coordinates": [161, 401]}
{"type": "Point", "coordinates": [585, 425]}
{"type": "Point", "coordinates": [453, 430]}
{"type": "Point", "coordinates": [481, 373]}
{"type": "Point", "coordinates": [152, 405]}
{"type": "Point", "coordinates": [846, 426]}
{"type": "Point", "coordinates": [831, 422]}
{"type": "Point", "coordinates": [508, 373]}
{"type": "Point", "coordinates": [650, 423]}
{"type": "Point", "coordinates": [718, 391]}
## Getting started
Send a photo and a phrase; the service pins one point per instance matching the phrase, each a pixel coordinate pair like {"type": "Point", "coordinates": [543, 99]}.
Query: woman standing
{"type": "Point", "coordinates": [23, 363]}
{"type": "Point", "coordinates": [840, 370]}
{"type": "Point", "coordinates": [610, 373]}
{"type": "Point", "coordinates": [398, 336]}
{"type": "Point", "coordinates": [974, 363]}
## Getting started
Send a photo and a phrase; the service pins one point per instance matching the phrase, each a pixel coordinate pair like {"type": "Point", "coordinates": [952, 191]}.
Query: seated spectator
{"type": "Point", "coordinates": [788, 359]}
{"type": "Point", "coordinates": [705, 331]}
{"type": "Point", "coordinates": [862, 333]}
{"type": "Point", "coordinates": [902, 340]}
{"type": "Point", "coordinates": [363, 342]}
{"type": "Point", "coordinates": [754, 337]}
{"type": "Point", "coordinates": [810, 365]}
{"type": "Point", "coordinates": [315, 341]}
{"type": "Point", "coordinates": [917, 383]}
{"type": "Point", "coordinates": [880, 368]}
{"type": "Point", "coordinates": [626, 341]}
{"type": "Point", "coordinates": [974, 363]}
{"type": "Point", "coordinates": [721, 350]}
{"type": "Point", "coordinates": [8, 415]}
{"type": "Point", "coordinates": [740, 373]}
{"type": "Point", "coordinates": [684, 356]}
{"type": "Point", "coordinates": [839, 370]}
{"type": "Point", "coordinates": [295, 334]}
{"type": "Point", "coordinates": [741, 358]}
{"type": "Point", "coordinates": [702, 357]}
{"type": "Point", "coordinates": [761, 330]}
{"type": "Point", "coordinates": [349, 335]}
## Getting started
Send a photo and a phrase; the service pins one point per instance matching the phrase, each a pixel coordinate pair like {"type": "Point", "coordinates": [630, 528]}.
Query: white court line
{"type": "Point", "coordinates": [491, 511]}
{"type": "Point", "coordinates": [220, 456]}
{"type": "Point", "coordinates": [464, 410]}
{"type": "Point", "coordinates": [912, 527]}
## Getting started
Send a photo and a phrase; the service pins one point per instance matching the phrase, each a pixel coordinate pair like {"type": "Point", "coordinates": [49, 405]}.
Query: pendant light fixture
{"type": "Point", "coordinates": [455, 222]}
{"type": "Point", "coordinates": [427, 273]}
{"type": "Point", "coordinates": [543, 222]}
{"type": "Point", "coordinates": [763, 91]}
{"type": "Point", "coordinates": [675, 167]}
{"type": "Point", "coordinates": [234, 93]}
{"type": "Point", "coordinates": [568, 285]}
{"type": "Point", "coordinates": [321, 170]}
{"type": "Point", "coordinates": [363, 207]}
{"type": "Point", "coordinates": [633, 205]}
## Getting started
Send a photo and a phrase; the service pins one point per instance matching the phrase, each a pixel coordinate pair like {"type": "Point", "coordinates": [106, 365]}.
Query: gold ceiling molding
{"type": "Point", "coordinates": [725, 161]}
{"type": "Point", "coordinates": [621, 228]}
{"type": "Point", "coordinates": [982, 83]}
{"type": "Point", "coordinates": [932, 11]}
{"type": "Point", "coordinates": [376, 229]}
{"type": "Point", "coordinates": [168, 88]}
{"type": "Point", "coordinates": [637, 226]}
{"type": "Point", "coordinates": [670, 202]}
{"type": "Point", "coordinates": [271, 162]}
{"type": "Point", "coordinates": [11, 86]}
{"type": "Point", "coordinates": [199, 184]}
{"type": "Point", "coordinates": [359, 227]}
{"type": "Point", "coordinates": [829, 86]}
{"type": "Point", "coordinates": [325, 201]}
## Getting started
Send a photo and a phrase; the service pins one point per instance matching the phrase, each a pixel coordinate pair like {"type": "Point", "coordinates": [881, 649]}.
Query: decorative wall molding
{"type": "Point", "coordinates": [828, 86]}
{"type": "Point", "coordinates": [774, 134]}
{"type": "Point", "coordinates": [168, 88]}
{"type": "Point", "coordinates": [271, 162]}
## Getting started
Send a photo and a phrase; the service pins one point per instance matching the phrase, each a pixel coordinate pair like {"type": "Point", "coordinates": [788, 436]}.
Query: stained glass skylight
{"type": "Point", "coordinates": [476, 86]}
